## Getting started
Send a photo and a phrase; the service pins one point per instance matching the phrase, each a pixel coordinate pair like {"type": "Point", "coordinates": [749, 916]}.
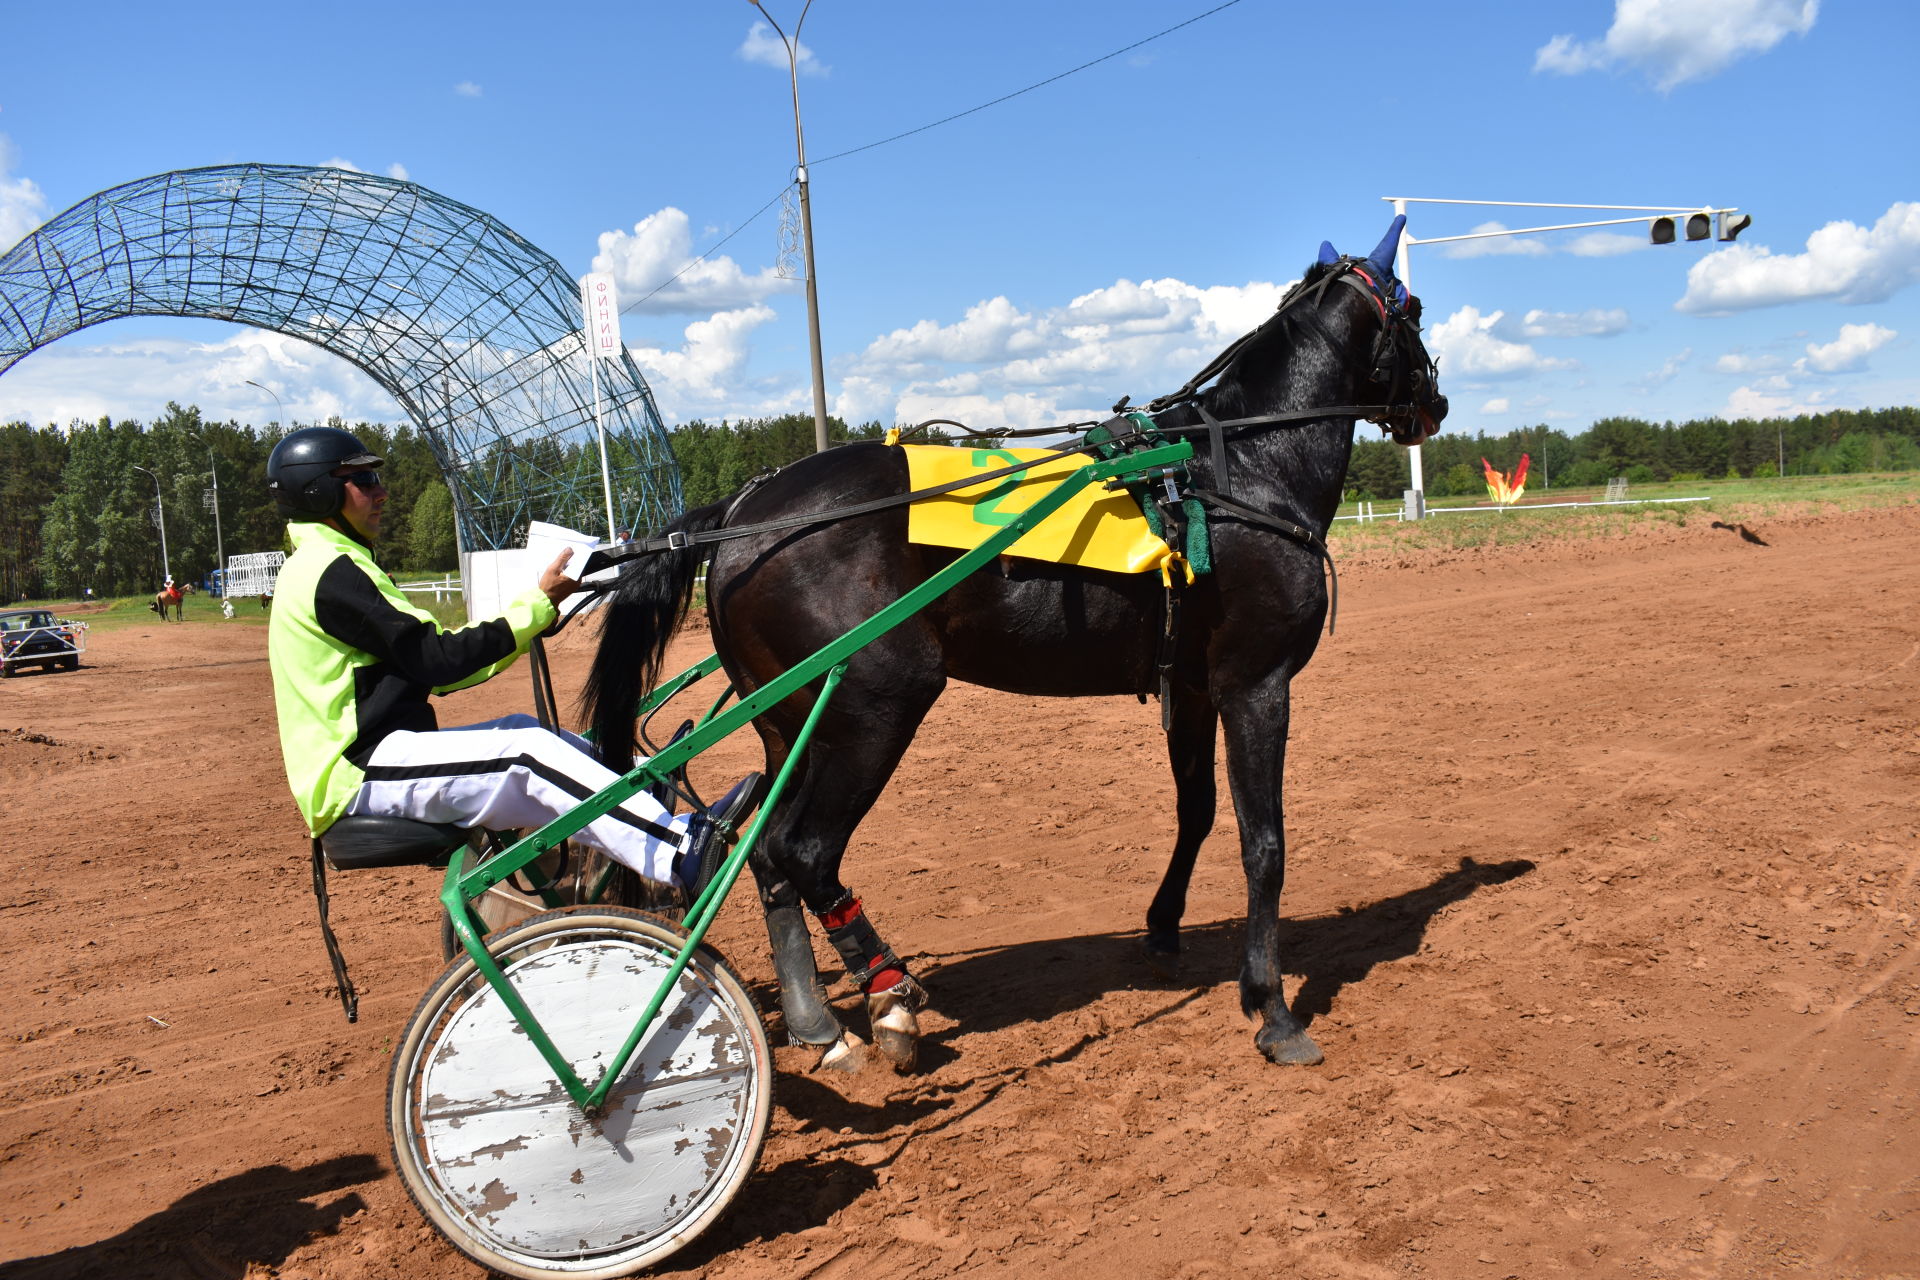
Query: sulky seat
{"type": "Point", "coordinates": [374, 840]}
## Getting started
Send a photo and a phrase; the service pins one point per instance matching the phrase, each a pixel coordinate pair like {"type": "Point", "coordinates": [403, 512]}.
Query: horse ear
{"type": "Point", "coordinates": [1328, 254]}
{"type": "Point", "coordinates": [1382, 257]}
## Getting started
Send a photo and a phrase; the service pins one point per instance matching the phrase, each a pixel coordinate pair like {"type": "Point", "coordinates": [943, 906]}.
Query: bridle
{"type": "Point", "coordinates": [1400, 365]}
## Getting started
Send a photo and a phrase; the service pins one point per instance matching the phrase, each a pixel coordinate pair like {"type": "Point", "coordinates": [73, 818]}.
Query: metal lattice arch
{"type": "Point", "coordinates": [474, 331]}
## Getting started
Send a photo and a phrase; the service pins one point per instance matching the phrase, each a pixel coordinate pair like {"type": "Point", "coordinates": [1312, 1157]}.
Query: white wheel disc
{"type": "Point", "coordinates": [507, 1160]}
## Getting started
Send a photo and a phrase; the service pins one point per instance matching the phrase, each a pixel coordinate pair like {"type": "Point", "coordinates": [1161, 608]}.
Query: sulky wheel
{"type": "Point", "coordinates": [503, 1162]}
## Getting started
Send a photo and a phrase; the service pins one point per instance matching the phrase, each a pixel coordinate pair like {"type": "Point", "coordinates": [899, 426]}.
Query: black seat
{"type": "Point", "coordinates": [373, 840]}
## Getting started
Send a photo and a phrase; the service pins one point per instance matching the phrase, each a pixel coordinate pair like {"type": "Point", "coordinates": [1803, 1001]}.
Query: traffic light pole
{"type": "Point", "coordinates": [1702, 222]}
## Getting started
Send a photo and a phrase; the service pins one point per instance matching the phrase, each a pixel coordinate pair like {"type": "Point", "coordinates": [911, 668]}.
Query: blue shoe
{"type": "Point", "coordinates": [709, 834]}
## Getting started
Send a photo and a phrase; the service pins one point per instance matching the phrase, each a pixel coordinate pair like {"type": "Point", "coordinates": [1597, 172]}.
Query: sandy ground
{"type": "Point", "coordinates": [1602, 907]}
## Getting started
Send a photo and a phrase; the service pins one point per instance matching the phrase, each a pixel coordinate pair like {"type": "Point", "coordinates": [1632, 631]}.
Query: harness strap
{"type": "Point", "coordinates": [349, 998]}
{"type": "Point", "coordinates": [1298, 532]}
{"type": "Point", "coordinates": [680, 540]}
{"type": "Point", "coordinates": [1217, 442]}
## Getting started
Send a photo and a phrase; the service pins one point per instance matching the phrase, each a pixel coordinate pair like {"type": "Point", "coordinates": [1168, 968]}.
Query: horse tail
{"type": "Point", "coordinates": [639, 618]}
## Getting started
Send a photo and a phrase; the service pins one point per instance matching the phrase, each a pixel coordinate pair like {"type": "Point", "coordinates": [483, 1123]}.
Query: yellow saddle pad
{"type": "Point", "coordinates": [1096, 529]}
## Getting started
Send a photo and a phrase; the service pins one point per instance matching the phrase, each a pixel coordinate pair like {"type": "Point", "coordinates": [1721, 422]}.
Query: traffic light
{"type": "Point", "coordinates": [1704, 225]}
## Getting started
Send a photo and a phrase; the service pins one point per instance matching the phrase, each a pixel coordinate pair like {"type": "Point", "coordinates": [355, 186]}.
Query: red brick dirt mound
{"type": "Point", "coordinates": [1600, 902]}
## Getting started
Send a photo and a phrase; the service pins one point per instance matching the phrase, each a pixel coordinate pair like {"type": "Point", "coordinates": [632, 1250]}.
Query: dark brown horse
{"type": "Point", "coordinates": [1343, 342]}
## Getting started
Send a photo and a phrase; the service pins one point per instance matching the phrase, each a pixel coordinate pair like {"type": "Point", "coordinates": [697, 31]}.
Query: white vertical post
{"type": "Point", "coordinates": [1416, 472]}
{"type": "Point", "coordinates": [598, 301]}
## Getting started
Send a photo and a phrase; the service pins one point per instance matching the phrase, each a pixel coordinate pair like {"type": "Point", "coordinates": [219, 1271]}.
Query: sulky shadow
{"type": "Point", "coordinates": [230, 1228]}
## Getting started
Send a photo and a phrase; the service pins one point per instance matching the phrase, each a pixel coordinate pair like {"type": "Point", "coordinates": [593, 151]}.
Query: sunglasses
{"type": "Point", "coordinates": [364, 480]}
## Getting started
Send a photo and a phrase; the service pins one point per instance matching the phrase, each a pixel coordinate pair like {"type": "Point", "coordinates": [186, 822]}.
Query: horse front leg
{"type": "Point", "coordinates": [1190, 750]}
{"type": "Point", "coordinates": [803, 998]}
{"type": "Point", "coordinates": [1256, 724]}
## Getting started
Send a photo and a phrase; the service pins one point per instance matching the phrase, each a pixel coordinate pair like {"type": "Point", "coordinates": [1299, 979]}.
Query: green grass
{"type": "Point", "coordinates": [1732, 501]}
{"type": "Point", "coordinates": [115, 613]}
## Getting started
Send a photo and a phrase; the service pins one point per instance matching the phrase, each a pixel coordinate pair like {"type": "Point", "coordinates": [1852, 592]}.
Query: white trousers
{"type": "Point", "coordinates": [512, 774]}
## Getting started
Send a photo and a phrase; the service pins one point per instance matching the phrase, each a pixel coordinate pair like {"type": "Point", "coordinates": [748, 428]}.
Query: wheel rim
{"type": "Point", "coordinates": [511, 1161]}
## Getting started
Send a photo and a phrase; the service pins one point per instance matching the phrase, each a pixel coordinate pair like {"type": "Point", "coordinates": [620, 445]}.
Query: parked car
{"type": "Point", "coordinates": [34, 637]}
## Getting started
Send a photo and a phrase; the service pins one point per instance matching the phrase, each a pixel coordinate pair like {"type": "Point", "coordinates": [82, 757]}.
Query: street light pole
{"type": "Point", "coordinates": [276, 401]}
{"type": "Point", "coordinates": [219, 543]}
{"type": "Point", "coordinates": [792, 44]}
{"type": "Point", "coordinates": [160, 513]}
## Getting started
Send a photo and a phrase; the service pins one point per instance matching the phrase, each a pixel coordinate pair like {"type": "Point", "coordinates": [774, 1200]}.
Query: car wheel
{"type": "Point", "coordinates": [69, 663]}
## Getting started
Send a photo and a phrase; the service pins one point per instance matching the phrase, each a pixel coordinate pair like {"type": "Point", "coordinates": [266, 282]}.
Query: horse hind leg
{"type": "Point", "coordinates": [1191, 742]}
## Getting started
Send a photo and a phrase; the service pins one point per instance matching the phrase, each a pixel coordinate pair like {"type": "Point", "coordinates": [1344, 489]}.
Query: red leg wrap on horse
{"type": "Point", "coordinates": [869, 961]}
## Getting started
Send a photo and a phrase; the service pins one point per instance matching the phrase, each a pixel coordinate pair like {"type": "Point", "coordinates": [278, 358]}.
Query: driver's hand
{"type": "Point", "coordinates": [555, 582]}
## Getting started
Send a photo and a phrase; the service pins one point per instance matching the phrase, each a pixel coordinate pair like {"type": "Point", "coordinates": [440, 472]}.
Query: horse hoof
{"type": "Point", "coordinates": [896, 1031]}
{"type": "Point", "coordinates": [1164, 963]}
{"type": "Point", "coordinates": [1297, 1050]}
{"type": "Point", "coordinates": [847, 1054]}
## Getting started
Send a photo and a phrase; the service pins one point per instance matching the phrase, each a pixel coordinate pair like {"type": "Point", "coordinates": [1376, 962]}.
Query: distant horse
{"type": "Point", "coordinates": [174, 596]}
{"type": "Point", "coordinates": [1343, 341]}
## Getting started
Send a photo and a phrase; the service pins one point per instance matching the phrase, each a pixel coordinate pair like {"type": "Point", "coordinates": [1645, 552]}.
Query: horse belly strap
{"type": "Point", "coordinates": [871, 963]}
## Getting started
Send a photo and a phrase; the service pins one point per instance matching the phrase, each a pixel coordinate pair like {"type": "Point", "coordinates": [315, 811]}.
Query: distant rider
{"type": "Point", "coordinates": [353, 662]}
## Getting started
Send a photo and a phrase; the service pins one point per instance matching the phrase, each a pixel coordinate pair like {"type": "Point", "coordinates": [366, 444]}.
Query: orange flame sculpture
{"type": "Point", "coordinates": [1506, 489]}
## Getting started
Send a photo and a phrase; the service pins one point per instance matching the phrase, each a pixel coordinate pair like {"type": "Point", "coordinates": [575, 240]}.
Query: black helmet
{"type": "Point", "coordinates": [300, 471]}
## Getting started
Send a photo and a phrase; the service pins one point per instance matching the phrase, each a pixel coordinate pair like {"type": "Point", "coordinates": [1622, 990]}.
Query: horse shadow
{"type": "Point", "coordinates": [993, 989]}
{"type": "Point", "coordinates": [222, 1230]}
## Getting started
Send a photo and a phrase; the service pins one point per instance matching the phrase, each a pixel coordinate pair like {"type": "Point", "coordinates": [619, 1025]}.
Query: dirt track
{"type": "Point", "coordinates": [1602, 896]}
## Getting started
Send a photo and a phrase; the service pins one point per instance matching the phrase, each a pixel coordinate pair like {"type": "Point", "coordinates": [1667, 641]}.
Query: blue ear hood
{"type": "Point", "coordinates": [1382, 257]}
{"type": "Point", "coordinates": [1328, 255]}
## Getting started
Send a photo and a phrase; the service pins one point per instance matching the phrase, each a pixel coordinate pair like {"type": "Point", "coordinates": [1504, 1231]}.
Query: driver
{"type": "Point", "coordinates": [353, 662]}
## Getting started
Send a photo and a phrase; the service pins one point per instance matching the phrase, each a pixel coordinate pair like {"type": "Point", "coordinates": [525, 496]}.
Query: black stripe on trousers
{"type": "Point", "coordinates": [469, 768]}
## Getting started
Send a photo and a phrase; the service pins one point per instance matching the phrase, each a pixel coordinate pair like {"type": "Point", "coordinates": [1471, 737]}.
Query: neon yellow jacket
{"type": "Point", "coordinates": [354, 661]}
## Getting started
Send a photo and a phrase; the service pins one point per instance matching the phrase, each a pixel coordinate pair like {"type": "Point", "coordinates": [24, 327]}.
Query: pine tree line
{"type": "Point", "coordinates": [76, 514]}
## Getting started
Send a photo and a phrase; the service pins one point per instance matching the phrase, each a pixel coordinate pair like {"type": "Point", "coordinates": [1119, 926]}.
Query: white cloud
{"type": "Point", "coordinates": [1668, 370]}
{"type": "Point", "coordinates": [1847, 352]}
{"type": "Point", "coordinates": [764, 46]}
{"type": "Point", "coordinates": [1499, 404]}
{"type": "Point", "coordinates": [338, 163]}
{"type": "Point", "coordinates": [1738, 362]}
{"type": "Point", "coordinates": [397, 170]}
{"type": "Point", "coordinates": [1464, 344]}
{"type": "Point", "coordinates": [467, 89]}
{"type": "Point", "coordinates": [1843, 261]}
{"type": "Point", "coordinates": [660, 245]}
{"type": "Point", "coordinates": [1674, 41]}
{"type": "Point", "coordinates": [134, 378]}
{"type": "Point", "coordinates": [1496, 246]}
{"type": "Point", "coordinates": [1606, 244]}
{"type": "Point", "coordinates": [23, 206]}
{"type": "Point", "coordinates": [1000, 366]}
{"type": "Point", "coordinates": [1773, 398]}
{"type": "Point", "coordinates": [1595, 322]}
{"type": "Point", "coordinates": [701, 375]}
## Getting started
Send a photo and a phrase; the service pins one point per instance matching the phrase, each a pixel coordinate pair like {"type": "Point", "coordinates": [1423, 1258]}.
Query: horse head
{"type": "Point", "coordinates": [1401, 372]}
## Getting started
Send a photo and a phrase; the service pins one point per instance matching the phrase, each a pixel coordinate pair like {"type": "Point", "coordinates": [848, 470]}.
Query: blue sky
{"type": "Point", "coordinates": [1032, 262]}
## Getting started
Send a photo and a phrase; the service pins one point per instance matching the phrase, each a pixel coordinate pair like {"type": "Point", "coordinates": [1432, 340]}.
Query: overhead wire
{"type": "Point", "coordinates": [1041, 84]}
{"type": "Point", "coordinates": [958, 115]}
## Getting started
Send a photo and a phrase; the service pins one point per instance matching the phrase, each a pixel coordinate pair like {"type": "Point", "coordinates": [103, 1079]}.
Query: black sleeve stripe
{"type": "Point", "coordinates": [470, 768]}
{"type": "Point", "coordinates": [350, 608]}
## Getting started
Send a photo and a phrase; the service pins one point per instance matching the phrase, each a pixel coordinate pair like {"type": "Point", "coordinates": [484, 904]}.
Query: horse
{"type": "Point", "coordinates": [1279, 422]}
{"type": "Point", "coordinates": [173, 595]}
